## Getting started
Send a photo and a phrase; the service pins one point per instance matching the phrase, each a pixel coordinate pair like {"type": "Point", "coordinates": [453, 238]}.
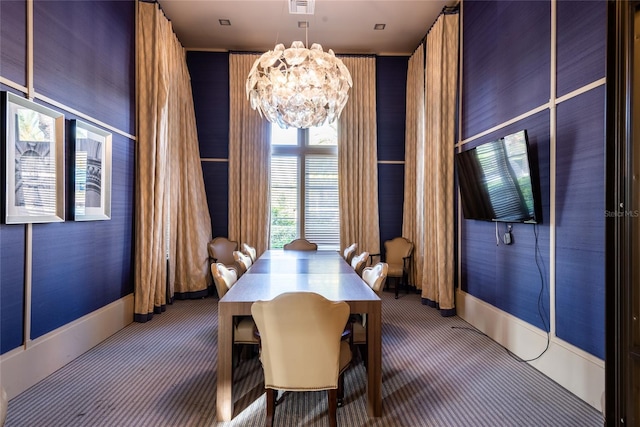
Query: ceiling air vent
{"type": "Point", "coordinates": [301, 7]}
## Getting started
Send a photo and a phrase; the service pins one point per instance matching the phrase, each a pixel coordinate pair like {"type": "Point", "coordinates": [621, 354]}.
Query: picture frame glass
{"type": "Point", "coordinates": [92, 172]}
{"type": "Point", "coordinates": [34, 169]}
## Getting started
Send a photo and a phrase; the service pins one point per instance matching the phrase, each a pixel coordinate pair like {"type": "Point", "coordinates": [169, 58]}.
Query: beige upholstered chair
{"type": "Point", "coordinates": [398, 255]}
{"type": "Point", "coordinates": [224, 277]}
{"type": "Point", "coordinates": [300, 245]}
{"type": "Point", "coordinates": [242, 261]}
{"type": "Point", "coordinates": [299, 352]}
{"type": "Point", "coordinates": [243, 326]}
{"type": "Point", "coordinates": [250, 251]}
{"type": "Point", "coordinates": [221, 250]}
{"type": "Point", "coordinates": [375, 277]}
{"type": "Point", "coordinates": [349, 253]}
{"type": "Point", "coordinates": [359, 262]}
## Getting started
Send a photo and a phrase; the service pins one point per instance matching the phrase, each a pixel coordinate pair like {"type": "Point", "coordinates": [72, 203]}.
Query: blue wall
{"type": "Point", "coordinates": [210, 86]}
{"type": "Point", "coordinates": [83, 58]}
{"type": "Point", "coordinates": [506, 73]}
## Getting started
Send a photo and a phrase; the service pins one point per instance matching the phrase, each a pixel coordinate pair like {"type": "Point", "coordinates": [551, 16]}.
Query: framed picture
{"type": "Point", "coordinates": [92, 172]}
{"type": "Point", "coordinates": [33, 170]}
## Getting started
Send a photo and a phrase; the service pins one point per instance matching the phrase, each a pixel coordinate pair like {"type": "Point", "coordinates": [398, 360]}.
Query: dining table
{"type": "Point", "coordinates": [279, 271]}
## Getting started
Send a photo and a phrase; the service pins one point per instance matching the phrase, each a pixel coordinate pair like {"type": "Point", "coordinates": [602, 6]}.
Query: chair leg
{"type": "Point", "coordinates": [398, 283]}
{"type": "Point", "coordinates": [405, 281]}
{"type": "Point", "coordinates": [340, 391]}
{"type": "Point", "coordinates": [271, 406]}
{"type": "Point", "coordinates": [363, 353]}
{"type": "Point", "coordinates": [333, 406]}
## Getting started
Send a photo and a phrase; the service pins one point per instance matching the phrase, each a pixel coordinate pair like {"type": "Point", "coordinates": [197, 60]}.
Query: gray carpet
{"type": "Point", "coordinates": [163, 373]}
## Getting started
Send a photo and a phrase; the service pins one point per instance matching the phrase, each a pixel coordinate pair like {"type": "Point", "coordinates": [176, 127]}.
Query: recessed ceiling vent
{"type": "Point", "coordinates": [301, 7]}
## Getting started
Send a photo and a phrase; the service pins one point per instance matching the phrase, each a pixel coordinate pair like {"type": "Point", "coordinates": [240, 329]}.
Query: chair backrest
{"type": "Point", "coordinates": [221, 250]}
{"type": "Point", "coordinates": [300, 335]}
{"type": "Point", "coordinates": [396, 250]}
{"type": "Point", "coordinates": [224, 277]}
{"type": "Point", "coordinates": [358, 262]}
{"type": "Point", "coordinates": [300, 245]}
{"type": "Point", "coordinates": [375, 276]}
{"type": "Point", "coordinates": [349, 253]}
{"type": "Point", "coordinates": [243, 262]}
{"type": "Point", "coordinates": [250, 251]}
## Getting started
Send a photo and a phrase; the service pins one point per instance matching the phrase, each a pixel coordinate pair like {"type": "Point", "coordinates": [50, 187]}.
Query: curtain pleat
{"type": "Point", "coordinates": [429, 192]}
{"type": "Point", "coordinates": [172, 216]}
{"type": "Point", "coordinates": [189, 200]}
{"type": "Point", "coordinates": [413, 210]}
{"type": "Point", "coordinates": [357, 159]}
{"type": "Point", "coordinates": [249, 162]}
{"type": "Point", "coordinates": [440, 95]}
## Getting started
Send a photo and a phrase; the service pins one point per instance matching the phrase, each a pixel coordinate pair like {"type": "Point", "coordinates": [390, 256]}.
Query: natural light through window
{"type": "Point", "coordinates": [304, 186]}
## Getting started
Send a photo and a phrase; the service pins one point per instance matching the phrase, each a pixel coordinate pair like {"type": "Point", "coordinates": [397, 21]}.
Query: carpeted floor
{"type": "Point", "coordinates": [436, 372]}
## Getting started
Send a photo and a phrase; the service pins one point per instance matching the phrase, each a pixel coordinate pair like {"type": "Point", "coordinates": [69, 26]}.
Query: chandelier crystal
{"type": "Point", "coordinates": [298, 87]}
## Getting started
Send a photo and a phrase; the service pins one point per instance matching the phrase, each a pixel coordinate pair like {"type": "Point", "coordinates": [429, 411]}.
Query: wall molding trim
{"type": "Point", "coordinates": [214, 160]}
{"type": "Point", "coordinates": [548, 105]}
{"type": "Point", "coordinates": [25, 366]}
{"type": "Point", "coordinates": [574, 369]}
{"type": "Point", "coordinates": [63, 108]}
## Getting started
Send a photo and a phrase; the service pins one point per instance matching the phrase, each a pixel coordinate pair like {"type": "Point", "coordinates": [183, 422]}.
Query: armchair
{"type": "Point", "coordinates": [221, 250]}
{"type": "Point", "coordinates": [398, 252]}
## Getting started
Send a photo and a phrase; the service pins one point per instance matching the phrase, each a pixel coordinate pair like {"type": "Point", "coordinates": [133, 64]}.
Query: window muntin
{"type": "Point", "coordinates": [304, 186]}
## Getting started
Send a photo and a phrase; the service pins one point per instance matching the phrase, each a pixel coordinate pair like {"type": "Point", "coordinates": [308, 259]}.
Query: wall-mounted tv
{"type": "Point", "coordinates": [495, 181]}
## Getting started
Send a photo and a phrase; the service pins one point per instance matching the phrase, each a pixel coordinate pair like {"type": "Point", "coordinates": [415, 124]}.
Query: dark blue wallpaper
{"type": "Point", "coordinates": [505, 69]}
{"type": "Point", "coordinates": [581, 42]}
{"type": "Point", "coordinates": [580, 222]}
{"type": "Point", "coordinates": [216, 181]}
{"type": "Point", "coordinates": [12, 246]}
{"type": "Point", "coordinates": [390, 201]}
{"type": "Point", "coordinates": [391, 88]}
{"type": "Point", "coordinates": [84, 58]}
{"type": "Point", "coordinates": [391, 84]}
{"type": "Point", "coordinates": [13, 41]}
{"type": "Point", "coordinates": [210, 86]}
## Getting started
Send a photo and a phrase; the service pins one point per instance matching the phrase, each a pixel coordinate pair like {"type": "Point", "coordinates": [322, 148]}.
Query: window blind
{"type": "Point", "coordinates": [322, 213]}
{"type": "Point", "coordinates": [284, 200]}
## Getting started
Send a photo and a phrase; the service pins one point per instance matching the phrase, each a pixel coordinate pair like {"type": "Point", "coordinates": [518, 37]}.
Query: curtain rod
{"type": "Point", "coordinates": [447, 10]}
{"type": "Point", "coordinates": [351, 55]}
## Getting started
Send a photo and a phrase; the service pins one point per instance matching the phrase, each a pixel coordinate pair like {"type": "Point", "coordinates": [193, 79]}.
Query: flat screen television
{"type": "Point", "coordinates": [495, 181]}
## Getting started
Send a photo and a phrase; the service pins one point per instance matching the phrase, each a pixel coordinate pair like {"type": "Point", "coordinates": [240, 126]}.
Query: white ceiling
{"type": "Point", "coordinates": [341, 25]}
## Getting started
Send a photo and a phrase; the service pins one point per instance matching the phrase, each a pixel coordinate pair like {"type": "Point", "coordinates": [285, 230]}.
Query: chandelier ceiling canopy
{"type": "Point", "coordinates": [298, 87]}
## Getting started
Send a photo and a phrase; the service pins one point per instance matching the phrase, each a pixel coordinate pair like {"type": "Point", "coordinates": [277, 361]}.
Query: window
{"type": "Point", "coordinates": [304, 186]}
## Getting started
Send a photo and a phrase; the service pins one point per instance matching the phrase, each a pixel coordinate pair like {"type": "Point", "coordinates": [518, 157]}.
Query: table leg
{"type": "Point", "coordinates": [224, 402]}
{"type": "Point", "coordinates": [374, 360]}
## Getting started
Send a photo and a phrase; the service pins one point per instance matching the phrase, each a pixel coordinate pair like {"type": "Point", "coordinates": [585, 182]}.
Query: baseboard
{"type": "Point", "coordinates": [574, 369]}
{"type": "Point", "coordinates": [25, 366]}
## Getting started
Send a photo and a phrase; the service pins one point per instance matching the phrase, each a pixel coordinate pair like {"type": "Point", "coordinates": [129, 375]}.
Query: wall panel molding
{"type": "Point", "coordinates": [593, 85]}
{"type": "Point", "coordinates": [22, 368]}
{"type": "Point", "coordinates": [574, 369]}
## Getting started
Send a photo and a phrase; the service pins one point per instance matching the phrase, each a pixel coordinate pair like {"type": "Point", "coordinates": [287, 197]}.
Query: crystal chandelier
{"type": "Point", "coordinates": [298, 87]}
